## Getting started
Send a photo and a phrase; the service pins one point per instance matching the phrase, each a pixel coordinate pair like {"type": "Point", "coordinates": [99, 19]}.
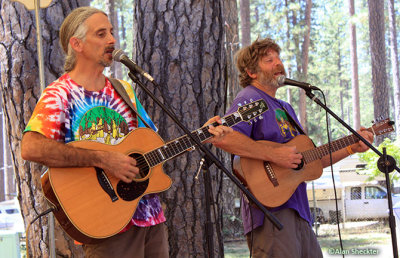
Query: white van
{"type": "Point", "coordinates": [10, 216]}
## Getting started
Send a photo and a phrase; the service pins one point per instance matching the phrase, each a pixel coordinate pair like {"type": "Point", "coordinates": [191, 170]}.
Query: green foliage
{"type": "Point", "coordinates": [371, 158]}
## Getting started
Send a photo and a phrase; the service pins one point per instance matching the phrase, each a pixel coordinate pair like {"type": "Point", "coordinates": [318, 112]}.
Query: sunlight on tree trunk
{"type": "Point", "coordinates": [245, 22]}
{"type": "Point", "coordinates": [378, 61]}
{"type": "Point", "coordinates": [304, 63]}
{"type": "Point", "coordinates": [354, 69]}
{"type": "Point", "coordinates": [395, 63]}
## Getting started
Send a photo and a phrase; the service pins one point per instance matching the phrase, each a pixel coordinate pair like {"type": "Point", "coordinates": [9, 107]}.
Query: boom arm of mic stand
{"type": "Point", "coordinates": [210, 155]}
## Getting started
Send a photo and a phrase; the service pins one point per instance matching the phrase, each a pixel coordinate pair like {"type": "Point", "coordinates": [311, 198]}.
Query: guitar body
{"type": "Point", "coordinates": [85, 211]}
{"type": "Point", "coordinates": [255, 174]}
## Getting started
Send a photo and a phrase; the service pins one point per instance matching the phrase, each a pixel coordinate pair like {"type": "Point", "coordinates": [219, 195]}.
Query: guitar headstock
{"type": "Point", "coordinates": [253, 109]}
{"type": "Point", "coordinates": [382, 127]}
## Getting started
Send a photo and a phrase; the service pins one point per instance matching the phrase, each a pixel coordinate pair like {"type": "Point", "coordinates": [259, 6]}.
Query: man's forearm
{"type": "Point", "coordinates": [37, 148]}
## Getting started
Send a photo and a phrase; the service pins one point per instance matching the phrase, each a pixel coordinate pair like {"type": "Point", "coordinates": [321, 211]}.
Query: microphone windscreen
{"type": "Point", "coordinates": [117, 54]}
{"type": "Point", "coordinates": [281, 80]}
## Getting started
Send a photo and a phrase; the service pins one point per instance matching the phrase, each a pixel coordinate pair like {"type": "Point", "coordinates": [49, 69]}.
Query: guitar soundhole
{"type": "Point", "coordinates": [131, 191]}
{"type": "Point", "coordinates": [300, 166]}
{"type": "Point", "coordinates": [141, 163]}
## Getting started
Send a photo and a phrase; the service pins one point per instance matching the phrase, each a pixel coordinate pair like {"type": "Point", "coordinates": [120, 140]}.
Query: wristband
{"type": "Point", "coordinates": [349, 150]}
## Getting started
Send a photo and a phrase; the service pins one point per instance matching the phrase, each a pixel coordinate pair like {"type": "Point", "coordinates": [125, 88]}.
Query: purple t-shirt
{"type": "Point", "coordinates": [275, 127]}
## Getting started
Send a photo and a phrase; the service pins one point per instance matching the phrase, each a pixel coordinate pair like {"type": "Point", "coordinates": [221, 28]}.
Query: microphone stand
{"type": "Point", "coordinates": [386, 164]}
{"type": "Point", "coordinates": [205, 167]}
{"type": "Point", "coordinates": [210, 156]}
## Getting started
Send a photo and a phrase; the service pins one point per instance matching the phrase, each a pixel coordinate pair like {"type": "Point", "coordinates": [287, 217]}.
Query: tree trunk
{"type": "Point", "coordinates": [245, 22]}
{"type": "Point", "coordinates": [288, 37]}
{"type": "Point", "coordinates": [232, 227]}
{"type": "Point", "coordinates": [181, 43]}
{"type": "Point", "coordinates": [395, 64]}
{"type": "Point", "coordinates": [304, 63]}
{"type": "Point", "coordinates": [112, 12]}
{"type": "Point", "coordinates": [378, 59]}
{"type": "Point", "coordinates": [354, 69]}
{"type": "Point", "coordinates": [20, 92]}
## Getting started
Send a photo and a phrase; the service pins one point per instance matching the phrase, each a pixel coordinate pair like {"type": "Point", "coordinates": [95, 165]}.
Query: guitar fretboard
{"type": "Point", "coordinates": [184, 143]}
{"type": "Point", "coordinates": [323, 150]}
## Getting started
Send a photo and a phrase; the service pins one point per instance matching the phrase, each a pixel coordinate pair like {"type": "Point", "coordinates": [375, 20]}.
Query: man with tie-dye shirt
{"type": "Point", "coordinates": [83, 105]}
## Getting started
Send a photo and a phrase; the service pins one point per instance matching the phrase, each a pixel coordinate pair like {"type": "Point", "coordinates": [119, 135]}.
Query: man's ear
{"type": "Point", "coordinates": [76, 44]}
{"type": "Point", "coordinates": [253, 75]}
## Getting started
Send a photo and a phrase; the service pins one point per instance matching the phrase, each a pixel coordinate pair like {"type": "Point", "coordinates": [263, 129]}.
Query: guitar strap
{"type": "Point", "coordinates": [124, 95]}
{"type": "Point", "coordinates": [293, 122]}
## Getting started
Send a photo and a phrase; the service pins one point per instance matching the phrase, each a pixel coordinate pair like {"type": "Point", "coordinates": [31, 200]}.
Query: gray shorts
{"type": "Point", "coordinates": [137, 242]}
{"type": "Point", "coordinates": [295, 240]}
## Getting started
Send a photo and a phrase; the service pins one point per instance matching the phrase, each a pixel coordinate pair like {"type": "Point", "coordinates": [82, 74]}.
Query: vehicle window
{"type": "Point", "coordinates": [373, 192]}
{"type": "Point", "coordinates": [356, 193]}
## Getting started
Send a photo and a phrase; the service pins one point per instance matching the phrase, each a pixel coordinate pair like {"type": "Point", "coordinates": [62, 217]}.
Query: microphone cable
{"type": "Point", "coordinates": [29, 226]}
{"type": "Point", "coordinates": [332, 174]}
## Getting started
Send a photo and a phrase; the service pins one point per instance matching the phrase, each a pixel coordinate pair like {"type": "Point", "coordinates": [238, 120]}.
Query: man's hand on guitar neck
{"type": "Point", "coordinates": [360, 146]}
{"type": "Point", "coordinates": [219, 132]}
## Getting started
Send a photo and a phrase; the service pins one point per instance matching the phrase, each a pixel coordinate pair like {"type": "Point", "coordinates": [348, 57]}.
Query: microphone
{"type": "Point", "coordinates": [119, 56]}
{"type": "Point", "coordinates": [282, 80]}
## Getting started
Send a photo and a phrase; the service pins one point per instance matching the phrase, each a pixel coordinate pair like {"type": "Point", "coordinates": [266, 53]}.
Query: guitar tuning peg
{"type": "Point", "coordinates": [251, 100]}
{"type": "Point", "coordinates": [255, 119]}
{"type": "Point", "coordinates": [245, 102]}
{"type": "Point", "coordinates": [261, 117]}
{"type": "Point", "coordinates": [249, 123]}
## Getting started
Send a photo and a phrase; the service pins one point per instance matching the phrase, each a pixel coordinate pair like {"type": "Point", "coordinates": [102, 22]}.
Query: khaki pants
{"type": "Point", "coordinates": [137, 242]}
{"type": "Point", "coordinates": [295, 240]}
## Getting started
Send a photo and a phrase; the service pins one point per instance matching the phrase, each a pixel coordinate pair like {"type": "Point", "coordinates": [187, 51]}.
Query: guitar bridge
{"type": "Point", "coordinates": [105, 184]}
{"type": "Point", "coordinates": [270, 173]}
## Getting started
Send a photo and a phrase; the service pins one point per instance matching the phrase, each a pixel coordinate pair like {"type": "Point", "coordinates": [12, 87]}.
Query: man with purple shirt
{"type": "Point", "coordinates": [259, 66]}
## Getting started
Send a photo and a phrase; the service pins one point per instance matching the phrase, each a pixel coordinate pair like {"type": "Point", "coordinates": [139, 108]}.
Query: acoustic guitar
{"type": "Point", "coordinates": [273, 185]}
{"type": "Point", "coordinates": [91, 205]}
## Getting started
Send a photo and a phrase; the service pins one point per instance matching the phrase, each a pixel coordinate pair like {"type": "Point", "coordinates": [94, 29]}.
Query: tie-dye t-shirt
{"type": "Point", "coordinates": [67, 112]}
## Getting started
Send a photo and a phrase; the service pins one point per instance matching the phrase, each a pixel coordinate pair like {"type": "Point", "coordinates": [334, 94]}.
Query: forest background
{"type": "Point", "coordinates": [347, 48]}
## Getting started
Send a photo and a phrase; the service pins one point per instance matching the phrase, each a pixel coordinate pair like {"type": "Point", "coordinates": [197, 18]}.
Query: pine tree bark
{"type": "Point", "coordinates": [112, 12]}
{"type": "Point", "coordinates": [20, 92]}
{"type": "Point", "coordinates": [354, 69]}
{"type": "Point", "coordinates": [378, 61]}
{"type": "Point", "coordinates": [181, 43]}
{"type": "Point", "coordinates": [245, 22]}
{"type": "Point", "coordinates": [232, 227]}
{"type": "Point", "coordinates": [395, 63]}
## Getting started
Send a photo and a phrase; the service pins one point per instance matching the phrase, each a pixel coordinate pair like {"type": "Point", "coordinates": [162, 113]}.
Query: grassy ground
{"type": "Point", "coordinates": [359, 239]}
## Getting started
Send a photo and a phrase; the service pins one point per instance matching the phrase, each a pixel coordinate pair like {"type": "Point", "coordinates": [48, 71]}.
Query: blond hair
{"type": "Point", "coordinates": [247, 58]}
{"type": "Point", "coordinates": [74, 26]}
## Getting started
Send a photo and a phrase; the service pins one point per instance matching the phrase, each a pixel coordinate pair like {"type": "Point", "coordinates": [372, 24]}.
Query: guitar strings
{"type": "Point", "coordinates": [175, 148]}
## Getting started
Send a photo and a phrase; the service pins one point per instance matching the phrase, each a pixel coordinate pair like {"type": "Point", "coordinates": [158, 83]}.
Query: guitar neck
{"type": "Point", "coordinates": [180, 145]}
{"type": "Point", "coordinates": [323, 150]}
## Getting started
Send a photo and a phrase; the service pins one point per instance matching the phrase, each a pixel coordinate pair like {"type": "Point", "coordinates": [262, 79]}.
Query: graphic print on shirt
{"type": "Point", "coordinates": [103, 125]}
{"type": "Point", "coordinates": [286, 128]}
